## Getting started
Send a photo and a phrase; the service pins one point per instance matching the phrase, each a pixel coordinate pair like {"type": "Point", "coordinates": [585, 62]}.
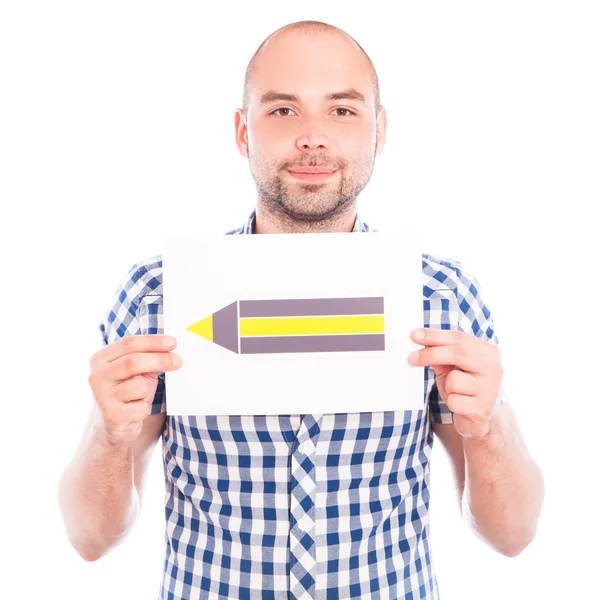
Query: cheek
{"type": "Point", "coordinates": [269, 144]}
{"type": "Point", "coordinates": [357, 143]}
{"type": "Point", "coordinates": [272, 132]}
{"type": "Point", "coordinates": [264, 159]}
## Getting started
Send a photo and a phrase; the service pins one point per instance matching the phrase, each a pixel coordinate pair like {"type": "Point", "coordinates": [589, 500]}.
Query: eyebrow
{"type": "Point", "coordinates": [349, 94]}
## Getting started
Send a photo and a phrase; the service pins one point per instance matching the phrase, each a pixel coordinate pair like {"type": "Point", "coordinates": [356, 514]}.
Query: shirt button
{"type": "Point", "coordinates": [301, 449]}
{"type": "Point", "coordinates": [304, 524]}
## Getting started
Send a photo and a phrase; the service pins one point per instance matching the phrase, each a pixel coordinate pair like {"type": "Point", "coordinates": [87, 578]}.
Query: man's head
{"type": "Point", "coordinates": [295, 116]}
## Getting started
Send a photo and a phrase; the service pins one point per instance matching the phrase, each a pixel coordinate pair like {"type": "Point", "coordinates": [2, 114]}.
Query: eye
{"type": "Point", "coordinates": [347, 110]}
{"type": "Point", "coordinates": [278, 109]}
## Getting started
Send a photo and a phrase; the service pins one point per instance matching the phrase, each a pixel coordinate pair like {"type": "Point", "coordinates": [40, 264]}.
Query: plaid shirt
{"type": "Point", "coordinates": [300, 506]}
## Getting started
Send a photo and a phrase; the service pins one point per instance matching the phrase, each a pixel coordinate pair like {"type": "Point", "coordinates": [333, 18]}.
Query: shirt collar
{"type": "Point", "coordinates": [249, 225]}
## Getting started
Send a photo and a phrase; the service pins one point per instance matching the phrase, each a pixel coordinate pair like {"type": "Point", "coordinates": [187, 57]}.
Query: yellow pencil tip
{"type": "Point", "coordinates": [203, 328]}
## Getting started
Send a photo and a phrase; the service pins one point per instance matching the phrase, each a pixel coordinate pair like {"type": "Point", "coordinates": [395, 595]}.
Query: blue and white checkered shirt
{"type": "Point", "coordinates": [300, 506]}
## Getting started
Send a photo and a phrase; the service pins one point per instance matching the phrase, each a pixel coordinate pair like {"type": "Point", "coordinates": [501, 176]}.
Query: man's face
{"type": "Point", "coordinates": [286, 135]}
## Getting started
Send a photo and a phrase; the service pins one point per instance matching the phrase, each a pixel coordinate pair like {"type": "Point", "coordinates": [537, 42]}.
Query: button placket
{"type": "Point", "coordinates": [302, 509]}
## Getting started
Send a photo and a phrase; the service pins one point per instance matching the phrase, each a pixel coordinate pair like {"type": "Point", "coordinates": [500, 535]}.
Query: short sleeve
{"type": "Point", "coordinates": [462, 309]}
{"type": "Point", "coordinates": [475, 315]}
{"type": "Point", "coordinates": [129, 314]}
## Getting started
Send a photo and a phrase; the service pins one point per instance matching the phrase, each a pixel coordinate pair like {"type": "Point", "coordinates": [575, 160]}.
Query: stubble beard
{"type": "Point", "coordinates": [311, 204]}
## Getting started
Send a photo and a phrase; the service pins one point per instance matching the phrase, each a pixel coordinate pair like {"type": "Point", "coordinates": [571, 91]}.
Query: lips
{"type": "Point", "coordinates": [312, 174]}
{"type": "Point", "coordinates": [312, 170]}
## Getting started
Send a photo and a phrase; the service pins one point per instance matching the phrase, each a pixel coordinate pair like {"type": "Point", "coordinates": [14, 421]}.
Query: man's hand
{"type": "Point", "coordinates": [124, 379]}
{"type": "Point", "coordinates": [468, 376]}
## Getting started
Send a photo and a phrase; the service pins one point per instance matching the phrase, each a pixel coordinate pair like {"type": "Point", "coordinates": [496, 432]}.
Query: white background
{"type": "Point", "coordinates": [116, 128]}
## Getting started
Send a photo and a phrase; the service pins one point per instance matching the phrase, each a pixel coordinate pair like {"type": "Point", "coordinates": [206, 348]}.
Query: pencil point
{"type": "Point", "coordinates": [221, 327]}
{"type": "Point", "coordinates": [203, 328]}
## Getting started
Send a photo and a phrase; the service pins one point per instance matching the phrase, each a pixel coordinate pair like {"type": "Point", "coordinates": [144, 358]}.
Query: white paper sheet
{"type": "Point", "coordinates": [204, 274]}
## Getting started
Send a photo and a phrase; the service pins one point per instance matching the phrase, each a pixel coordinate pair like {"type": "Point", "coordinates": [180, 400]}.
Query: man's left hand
{"type": "Point", "coordinates": [468, 376]}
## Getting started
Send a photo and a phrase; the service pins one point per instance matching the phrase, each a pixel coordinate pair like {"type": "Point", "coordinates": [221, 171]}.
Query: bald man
{"type": "Point", "coordinates": [303, 505]}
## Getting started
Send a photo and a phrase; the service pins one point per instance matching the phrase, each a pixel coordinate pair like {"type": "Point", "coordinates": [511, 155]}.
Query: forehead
{"type": "Point", "coordinates": [309, 64]}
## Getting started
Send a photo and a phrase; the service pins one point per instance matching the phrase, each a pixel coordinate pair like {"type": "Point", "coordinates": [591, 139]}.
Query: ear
{"type": "Point", "coordinates": [241, 132]}
{"type": "Point", "coordinates": [381, 130]}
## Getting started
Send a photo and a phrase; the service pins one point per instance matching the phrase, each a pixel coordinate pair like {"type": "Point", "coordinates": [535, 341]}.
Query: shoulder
{"type": "Point", "coordinates": [143, 278]}
{"type": "Point", "coordinates": [448, 276]}
{"type": "Point", "coordinates": [147, 275]}
{"type": "Point", "coordinates": [448, 273]}
{"type": "Point", "coordinates": [439, 274]}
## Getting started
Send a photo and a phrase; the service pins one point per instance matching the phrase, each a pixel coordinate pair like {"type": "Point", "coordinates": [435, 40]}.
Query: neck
{"type": "Point", "coordinates": [266, 221]}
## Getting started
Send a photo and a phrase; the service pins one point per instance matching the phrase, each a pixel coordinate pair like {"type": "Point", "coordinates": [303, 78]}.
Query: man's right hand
{"type": "Point", "coordinates": [124, 378]}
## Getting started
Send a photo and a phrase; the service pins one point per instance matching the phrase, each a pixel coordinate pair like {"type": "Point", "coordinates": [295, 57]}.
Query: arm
{"type": "Point", "coordinates": [501, 488]}
{"type": "Point", "coordinates": [504, 487]}
{"type": "Point", "coordinates": [100, 490]}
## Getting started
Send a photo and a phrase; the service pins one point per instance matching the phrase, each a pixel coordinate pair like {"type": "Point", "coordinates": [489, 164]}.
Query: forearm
{"type": "Point", "coordinates": [504, 489]}
{"type": "Point", "coordinates": [97, 496]}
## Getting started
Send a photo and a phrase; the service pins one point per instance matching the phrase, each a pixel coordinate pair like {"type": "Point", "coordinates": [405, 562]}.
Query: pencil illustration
{"type": "Point", "coordinates": [296, 325]}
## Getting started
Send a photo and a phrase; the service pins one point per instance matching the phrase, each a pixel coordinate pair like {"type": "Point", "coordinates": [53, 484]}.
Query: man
{"type": "Point", "coordinates": [311, 505]}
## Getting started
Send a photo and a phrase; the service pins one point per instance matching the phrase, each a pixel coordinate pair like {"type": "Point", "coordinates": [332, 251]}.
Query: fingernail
{"type": "Point", "coordinates": [413, 357]}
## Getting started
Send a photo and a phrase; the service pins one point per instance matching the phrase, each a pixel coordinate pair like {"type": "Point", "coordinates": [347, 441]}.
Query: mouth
{"type": "Point", "coordinates": [312, 174]}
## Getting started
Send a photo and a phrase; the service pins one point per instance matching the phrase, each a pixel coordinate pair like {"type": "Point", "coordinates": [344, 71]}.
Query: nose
{"type": "Point", "coordinates": [313, 139]}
